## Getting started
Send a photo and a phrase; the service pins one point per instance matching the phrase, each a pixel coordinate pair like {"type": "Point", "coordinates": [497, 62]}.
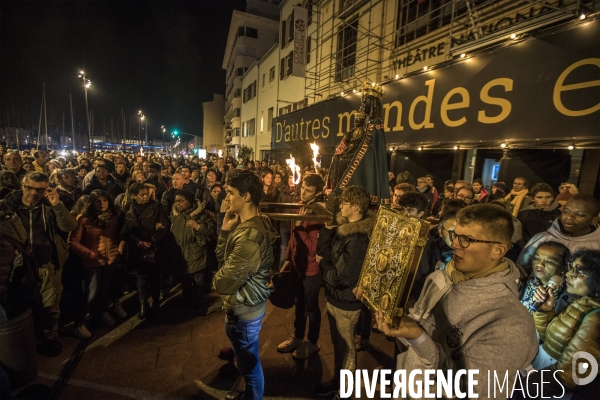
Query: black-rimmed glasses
{"type": "Point", "coordinates": [465, 241]}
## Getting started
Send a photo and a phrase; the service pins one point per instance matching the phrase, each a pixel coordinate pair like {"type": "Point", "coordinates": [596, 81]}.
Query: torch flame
{"type": "Point", "coordinates": [295, 169]}
{"type": "Point", "coordinates": [315, 150]}
{"type": "Point", "coordinates": [142, 151]}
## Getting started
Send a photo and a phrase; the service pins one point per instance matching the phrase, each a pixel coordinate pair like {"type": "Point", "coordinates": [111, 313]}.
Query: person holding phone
{"type": "Point", "coordinates": [45, 218]}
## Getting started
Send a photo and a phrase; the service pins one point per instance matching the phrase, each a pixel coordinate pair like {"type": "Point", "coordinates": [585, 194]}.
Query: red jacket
{"type": "Point", "coordinates": [96, 246]}
{"type": "Point", "coordinates": [301, 250]}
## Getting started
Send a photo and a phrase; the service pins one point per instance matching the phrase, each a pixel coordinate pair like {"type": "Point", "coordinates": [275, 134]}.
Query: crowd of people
{"type": "Point", "coordinates": [78, 227]}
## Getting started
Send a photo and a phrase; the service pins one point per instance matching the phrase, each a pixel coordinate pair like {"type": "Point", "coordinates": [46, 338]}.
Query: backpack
{"type": "Point", "coordinates": [24, 283]}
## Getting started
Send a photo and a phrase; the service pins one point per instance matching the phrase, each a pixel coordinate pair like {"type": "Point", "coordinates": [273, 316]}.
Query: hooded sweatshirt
{"type": "Point", "coordinates": [556, 233]}
{"type": "Point", "coordinates": [478, 323]}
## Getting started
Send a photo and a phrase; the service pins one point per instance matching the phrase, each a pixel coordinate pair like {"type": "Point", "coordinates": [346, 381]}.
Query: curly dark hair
{"type": "Point", "coordinates": [357, 196]}
{"type": "Point", "coordinates": [413, 200]}
{"type": "Point", "coordinates": [245, 181]}
{"type": "Point", "coordinates": [590, 260]}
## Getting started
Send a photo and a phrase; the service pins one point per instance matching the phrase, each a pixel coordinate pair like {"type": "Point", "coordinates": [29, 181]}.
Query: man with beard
{"type": "Point", "coordinates": [576, 228]}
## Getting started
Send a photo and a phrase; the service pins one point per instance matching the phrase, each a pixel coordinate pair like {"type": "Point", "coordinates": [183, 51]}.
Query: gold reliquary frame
{"type": "Point", "coordinates": [389, 270]}
{"type": "Point", "coordinates": [286, 212]}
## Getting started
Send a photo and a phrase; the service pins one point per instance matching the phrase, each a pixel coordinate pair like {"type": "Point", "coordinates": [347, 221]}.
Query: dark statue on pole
{"type": "Point", "coordinates": [360, 158]}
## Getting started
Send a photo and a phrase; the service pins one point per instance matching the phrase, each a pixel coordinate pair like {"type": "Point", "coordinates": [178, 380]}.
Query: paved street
{"type": "Point", "coordinates": [174, 356]}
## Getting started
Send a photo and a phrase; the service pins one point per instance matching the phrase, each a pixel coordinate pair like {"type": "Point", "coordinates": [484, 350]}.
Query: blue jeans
{"type": "Point", "coordinates": [243, 336]}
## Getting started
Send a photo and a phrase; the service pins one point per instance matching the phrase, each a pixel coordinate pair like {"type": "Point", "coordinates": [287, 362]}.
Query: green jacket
{"type": "Point", "coordinates": [245, 255]}
{"type": "Point", "coordinates": [190, 254]}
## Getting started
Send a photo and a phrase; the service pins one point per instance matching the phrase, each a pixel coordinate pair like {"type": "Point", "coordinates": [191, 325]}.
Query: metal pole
{"type": "Point", "coordinates": [87, 114]}
{"type": "Point", "coordinates": [72, 122]}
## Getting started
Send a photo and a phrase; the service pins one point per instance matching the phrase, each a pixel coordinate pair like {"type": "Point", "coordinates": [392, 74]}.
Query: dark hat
{"type": "Point", "coordinates": [501, 186]}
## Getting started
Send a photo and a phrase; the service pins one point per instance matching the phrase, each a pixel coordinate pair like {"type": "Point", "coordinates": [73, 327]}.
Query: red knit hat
{"type": "Point", "coordinates": [563, 197]}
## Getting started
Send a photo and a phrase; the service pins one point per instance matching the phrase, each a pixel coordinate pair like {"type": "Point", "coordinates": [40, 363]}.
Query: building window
{"type": "Point", "coordinates": [249, 128]}
{"type": "Point", "coordinates": [417, 18]}
{"type": "Point", "coordinates": [283, 33]}
{"type": "Point", "coordinates": [346, 51]}
{"type": "Point", "coordinates": [237, 112]}
{"type": "Point", "coordinates": [236, 132]}
{"type": "Point", "coordinates": [271, 74]}
{"type": "Point", "coordinates": [254, 89]}
{"type": "Point", "coordinates": [237, 93]}
{"type": "Point", "coordinates": [269, 119]}
{"type": "Point", "coordinates": [290, 63]}
{"type": "Point", "coordinates": [251, 32]}
{"type": "Point", "coordinates": [308, 45]}
{"type": "Point", "coordinates": [282, 69]}
{"type": "Point", "coordinates": [248, 32]}
{"type": "Point", "coordinates": [239, 71]}
{"type": "Point", "coordinates": [309, 9]}
{"type": "Point", "coordinates": [291, 28]}
{"type": "Point", "coordinates": [264, 79]}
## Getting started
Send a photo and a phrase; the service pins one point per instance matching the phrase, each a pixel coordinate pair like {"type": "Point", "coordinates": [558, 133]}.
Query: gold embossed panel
{"type": "Point", "coordinates": [392, 260]}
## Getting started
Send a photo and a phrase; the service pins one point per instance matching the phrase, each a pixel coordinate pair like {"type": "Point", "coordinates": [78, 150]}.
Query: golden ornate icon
{"type": "Point", "coordinates": [395, 250]}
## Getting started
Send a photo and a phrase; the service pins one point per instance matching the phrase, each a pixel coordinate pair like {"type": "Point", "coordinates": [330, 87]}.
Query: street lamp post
{"type": "Point", "coordinates": [163, 132]}
{"type": "Point", "coordinates": [142, 118]}
{"type": "Point", "coordinates": [86, 84]}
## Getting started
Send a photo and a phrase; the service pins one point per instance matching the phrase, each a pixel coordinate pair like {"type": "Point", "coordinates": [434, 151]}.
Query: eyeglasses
{"type": "Point", "coordinates": [345, 204]}
{"type": "Point", "coordinates": [465, 241]}
{"type": "Point", "coordinates": [37, 190]}
{"type": "Point", "coordinates": [180, 201]}
{"type": "Point", "coordinates": [576, 272]}
{"type": "Point", "coordinates": [463, 197]}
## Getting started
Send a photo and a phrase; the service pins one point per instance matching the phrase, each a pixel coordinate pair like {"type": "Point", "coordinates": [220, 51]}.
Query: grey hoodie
{"type": "Point", "coordinates": [475, 324]}
{"type": "Point", "coordinates": [555, 233]}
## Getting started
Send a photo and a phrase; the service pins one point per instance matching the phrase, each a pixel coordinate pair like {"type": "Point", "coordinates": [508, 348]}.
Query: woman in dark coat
{"type": "Point", "coordinates": [192, 227]}
{"type": "Point", "coordinates": [146, 225]}
{"type": "Point", "coordinates": [96, 240]}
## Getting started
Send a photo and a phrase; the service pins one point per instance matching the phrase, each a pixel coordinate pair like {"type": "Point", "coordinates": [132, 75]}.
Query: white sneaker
{"type": "Point", "coordinates": [305, 350]}
{"type": "Point", "coordinates": [107, 319]}
{"type": "Point", "coordinates": [289, 345]}
{"type": "Point", "coordinates": [119, 311]}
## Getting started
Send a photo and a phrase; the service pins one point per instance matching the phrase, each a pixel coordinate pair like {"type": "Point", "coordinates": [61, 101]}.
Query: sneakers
{"type": "Point", "coordinates": [81, 332]}
{"type": "Point", "coordinates": [360, 343]}
{"type": "Point", "coordinates": [289, 345]}
{"type": "Point", "coordinates": [119, 311]}
{"type": "Point", "coordinates": [327, 389]}
{"type": "Point", "coordinates": [107, 319]}
{"type": "Point", "coordinates": [305, 350]}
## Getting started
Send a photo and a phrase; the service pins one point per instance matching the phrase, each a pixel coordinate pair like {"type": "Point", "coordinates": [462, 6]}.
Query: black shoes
{"type": "Point", "coordinates": [49, 348]}
{"type": "Point", "coordinates": [328, 389]}
{"type": "Point", "coordinates": [144, 310]}
{"type": "Point", "coordinates": [235, 395]}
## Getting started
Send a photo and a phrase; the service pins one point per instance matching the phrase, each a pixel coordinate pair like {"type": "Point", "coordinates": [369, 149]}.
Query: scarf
{"type": "Point", "coordinates": [456, 276]}
{"type": "Point", "coordinates": [138, 209]}
{"type": "Point", "coordinates": [517, 200]}
{"type": "Point", "coordinates": [103, 220]}
{"type": "Point", "coordinates": [531, 287]}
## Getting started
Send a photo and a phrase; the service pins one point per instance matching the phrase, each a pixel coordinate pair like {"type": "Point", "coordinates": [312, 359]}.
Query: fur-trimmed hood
{"type": "Point", "coordinates": [365, 225]}
{"type": "Point", "coordinates": [193, 212]}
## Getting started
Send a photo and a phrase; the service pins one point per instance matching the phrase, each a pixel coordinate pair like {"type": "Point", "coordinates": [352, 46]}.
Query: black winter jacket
{"type": "Point", "coordinates": [343, 250]}
{"type": "Point", "coordinates": [533, 220]}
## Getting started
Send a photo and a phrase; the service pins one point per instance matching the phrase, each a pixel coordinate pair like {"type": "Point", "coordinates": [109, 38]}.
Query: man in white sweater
{"type": "Point", "coordinates": [468, 316]}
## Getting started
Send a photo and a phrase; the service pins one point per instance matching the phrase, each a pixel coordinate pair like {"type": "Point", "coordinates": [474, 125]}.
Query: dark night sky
{"type": "Point", "coordinates": [163, 57]}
